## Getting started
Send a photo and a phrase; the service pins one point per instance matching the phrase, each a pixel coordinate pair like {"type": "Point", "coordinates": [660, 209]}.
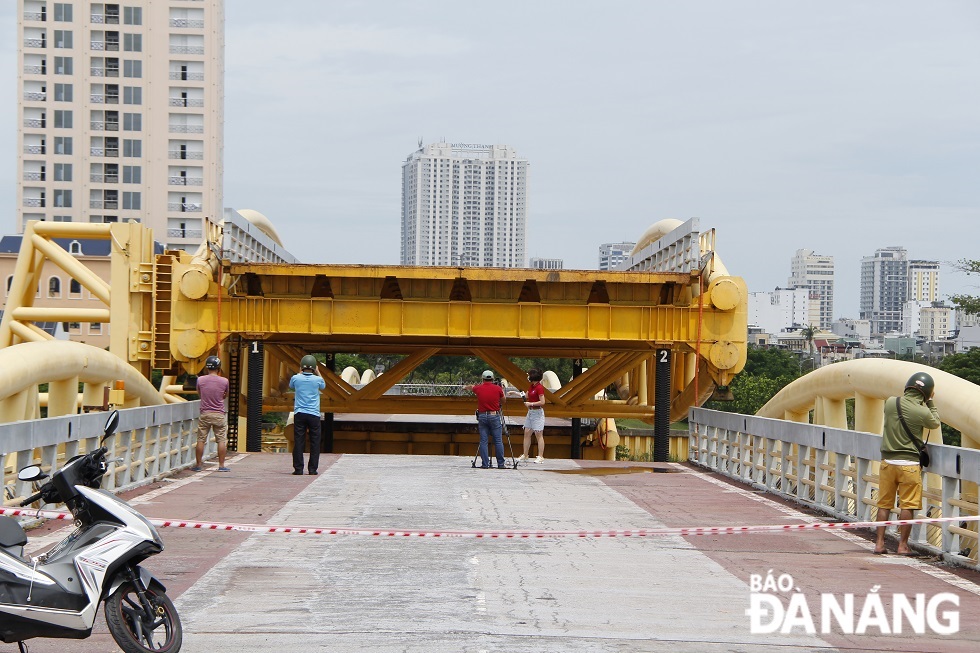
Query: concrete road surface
{"type": "Point", "coordinates": [286, 592]}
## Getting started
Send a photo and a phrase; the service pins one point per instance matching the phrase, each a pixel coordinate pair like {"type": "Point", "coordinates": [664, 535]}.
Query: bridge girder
{"type": "Point", "coordinates": [172, 310]}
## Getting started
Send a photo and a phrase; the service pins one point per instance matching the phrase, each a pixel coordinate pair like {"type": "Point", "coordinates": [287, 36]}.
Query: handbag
{"type": "Point", "coordinates": [923, 452]}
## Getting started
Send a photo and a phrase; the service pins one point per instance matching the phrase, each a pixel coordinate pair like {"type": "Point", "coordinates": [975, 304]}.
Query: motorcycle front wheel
{"type": "Point", "coordinates": [138, 630]}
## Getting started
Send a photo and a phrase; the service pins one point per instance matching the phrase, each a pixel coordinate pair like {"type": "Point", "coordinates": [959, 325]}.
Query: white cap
{"type": "Point", "coordinates": [487, 374]}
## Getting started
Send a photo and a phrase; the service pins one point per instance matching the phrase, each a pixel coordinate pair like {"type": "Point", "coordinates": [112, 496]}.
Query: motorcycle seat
{"type": "Point", "coordinates": [11, 532]}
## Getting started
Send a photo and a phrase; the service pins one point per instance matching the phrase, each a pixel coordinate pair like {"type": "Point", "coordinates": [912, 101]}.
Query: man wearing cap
{"type": "Point", "coordinates": [489, 396]}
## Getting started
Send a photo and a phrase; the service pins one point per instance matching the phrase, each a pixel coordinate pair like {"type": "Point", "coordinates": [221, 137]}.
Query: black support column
{"type": "Point", "coordinates": [253, 434]}
{"type": "Point", "coordinates": [576, 421]}
{"type": "Point", "coordinates": [326, 426]}
{"type": "Point", "coordinates": [661, 418]}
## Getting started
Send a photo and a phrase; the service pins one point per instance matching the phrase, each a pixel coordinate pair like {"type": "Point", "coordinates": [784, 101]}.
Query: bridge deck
{"type": "Point", "coordinates": [237, 591]}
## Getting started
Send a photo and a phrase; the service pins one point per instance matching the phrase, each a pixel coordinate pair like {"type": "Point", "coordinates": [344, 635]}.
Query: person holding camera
{"type": "Point", "coordinates": [489, 398]}
{"type": "Point", "coordinates": [534, 424]}
{"type": "Point", "coordinates": [306, 414]}
{"type": "Point", "coordinates": [906, 420]}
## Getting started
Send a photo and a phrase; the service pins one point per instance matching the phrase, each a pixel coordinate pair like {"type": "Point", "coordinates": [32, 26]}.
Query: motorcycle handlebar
{"type": "Point", "coordinates": [31, 499]}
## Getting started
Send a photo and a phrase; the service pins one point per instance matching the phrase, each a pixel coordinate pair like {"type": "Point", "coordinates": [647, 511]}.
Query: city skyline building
{"type": "Point", "coordinates": [924, 281]}
{"type": "Point", "coordinates": [120, 114]}
{"type": "Point", "coordinates": [538, 263]}
{"type": "Point", "coordinates": [612, 255]}
{"type": "Point", "coordinates": [884, 289]}
{"type": "Point", "coordinates": [816, 273]}
{"type": "Point", "coordinates": [465, 205]}
{"type": "Point", "coordinates": [779, 310]}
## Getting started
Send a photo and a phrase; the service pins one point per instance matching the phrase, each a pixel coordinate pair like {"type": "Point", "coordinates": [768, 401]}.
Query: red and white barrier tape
{"type": "Point", "coordinates": [640, 532]}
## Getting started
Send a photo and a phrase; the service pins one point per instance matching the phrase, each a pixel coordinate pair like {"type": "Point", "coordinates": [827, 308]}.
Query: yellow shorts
{"type": "Point", "coordinates": [905, 480]}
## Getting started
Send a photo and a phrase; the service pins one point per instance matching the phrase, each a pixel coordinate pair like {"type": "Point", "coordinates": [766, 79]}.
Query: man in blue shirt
{"type": "Point", "coordinates": [306, 414]}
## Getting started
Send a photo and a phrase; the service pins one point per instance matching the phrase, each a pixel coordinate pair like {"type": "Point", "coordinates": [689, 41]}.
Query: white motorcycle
{"type": "Point", "coordinates": [57, 594]}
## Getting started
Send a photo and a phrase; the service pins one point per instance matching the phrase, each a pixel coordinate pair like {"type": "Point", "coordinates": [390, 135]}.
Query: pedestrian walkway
{"type": "Point", "coordinates": [256, 592]}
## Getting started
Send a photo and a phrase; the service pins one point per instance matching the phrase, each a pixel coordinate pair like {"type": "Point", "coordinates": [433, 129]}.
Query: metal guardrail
{"type": "Point", "coordinates": [152, 442]}
{"type": "Point", "coordinates": [677, 251]}
{"type": "Point", "coordinates": [835, 471]}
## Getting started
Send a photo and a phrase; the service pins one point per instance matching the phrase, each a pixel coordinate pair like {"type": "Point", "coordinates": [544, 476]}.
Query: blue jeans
{"type": "Point", "coordinates": [490, 425]}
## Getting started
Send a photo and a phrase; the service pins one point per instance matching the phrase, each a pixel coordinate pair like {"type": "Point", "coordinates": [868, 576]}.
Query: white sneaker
{"type": "Point", "coordinates": [539, 459]}
{"type": "Point", "coordinates": [522, 458]}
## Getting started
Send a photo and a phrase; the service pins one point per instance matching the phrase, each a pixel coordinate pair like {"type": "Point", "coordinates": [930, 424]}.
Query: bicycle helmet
{"type": "Point", "coordinates": [308, 362]}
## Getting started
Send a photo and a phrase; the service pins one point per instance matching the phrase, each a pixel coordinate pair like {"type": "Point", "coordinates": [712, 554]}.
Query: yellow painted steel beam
{"type": "Point", "coordinates": [399, 371]}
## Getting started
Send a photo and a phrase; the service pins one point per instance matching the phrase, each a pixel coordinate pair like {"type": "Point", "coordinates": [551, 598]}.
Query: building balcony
{"type": "Point", "coordinates": [35, 43]}
{"type": "Point", "coordinates": [34, 149]}
{"type": "Point", "coordinates": [34, 202]}
{"type": "Point", "coordinates": [112, 99]}
{"type": "Point", "coordinates": [112, 205]}
{"type": "Point", "coordinates": [185, 155]}
{"type": "Point", "coordinates": [35, 123]}
{"type": "Point", "coordinates": [186, 102]}
{"type": "Point", "coordinates": [194, 77]}
{"type": "Point", "coordinates": [104, 179]}
{"type": "Point", "coordinates": [186, 129]}
{"type": "Point", "coordinates": [34, 16]}
{"type": "Point", "coordinates": [35, 96]}
{"type": "Point", "coordinates": [184, 207]}
{"type": "Point", "coordinates": [186, 181]}
{"type": "Point", "coordinates": [97, 45]}
{"type": "Point", "coordinates": [186, 23]}
{"type": "Point", "coordinates": [34, 176]}
{"type": "Point", "coordinates": [95, 98]}
{"type": "Point", "coordinates": [186, 49]}
{"type": "Point", "coordinates": [185, 233]}
{"type": "Point", "coordinates": [34, 70]}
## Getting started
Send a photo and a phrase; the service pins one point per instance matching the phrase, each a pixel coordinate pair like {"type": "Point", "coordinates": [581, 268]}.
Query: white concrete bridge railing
{"type": "Point", "coordinates": [151, 441]}
{"type": "Point", "coordinates": [835, 471]}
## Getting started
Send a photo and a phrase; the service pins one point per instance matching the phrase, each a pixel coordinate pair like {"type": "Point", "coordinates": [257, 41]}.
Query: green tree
{"type": "Point", "coordinates": [965, 365]}
{"type": "Point", "coordinates": [771, 362]}
{"type": "Point", "coordinates": [969, 303]}
{"type": "Point", "coordinates": [767, 371]}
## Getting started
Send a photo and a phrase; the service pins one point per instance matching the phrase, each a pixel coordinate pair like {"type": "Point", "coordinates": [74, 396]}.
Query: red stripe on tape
{"type": "Point", "coordinates": [683, 531]}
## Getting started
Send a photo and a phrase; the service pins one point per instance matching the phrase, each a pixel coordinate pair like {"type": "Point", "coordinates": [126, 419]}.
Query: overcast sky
{"type": "Point", "coordinates": [836, 126]}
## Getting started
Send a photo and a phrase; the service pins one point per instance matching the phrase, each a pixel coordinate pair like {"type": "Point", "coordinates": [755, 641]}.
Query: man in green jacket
{"type": "Point", "coordinates": [900, 472]}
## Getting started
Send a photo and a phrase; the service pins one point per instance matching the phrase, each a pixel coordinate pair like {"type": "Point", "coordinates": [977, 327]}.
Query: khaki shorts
{"type": "Point", "coordinates": [905, 480]}
{"type": "Point", "coordinates": [216, 421]}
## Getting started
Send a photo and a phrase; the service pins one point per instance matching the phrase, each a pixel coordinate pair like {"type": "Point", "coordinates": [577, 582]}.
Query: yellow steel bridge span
{"type": "Point", "coordinates": [170, 311]}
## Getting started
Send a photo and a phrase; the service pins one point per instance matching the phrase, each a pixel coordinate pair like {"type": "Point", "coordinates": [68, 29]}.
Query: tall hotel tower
{"type": "Point", "coordinates": [815, 273]}
{"type": "Point", "coordinates": [120, 114]}
{"type": "Point", "coordinates": [884, 289]}
{"type": "Point", "coordinates": [464, 205]}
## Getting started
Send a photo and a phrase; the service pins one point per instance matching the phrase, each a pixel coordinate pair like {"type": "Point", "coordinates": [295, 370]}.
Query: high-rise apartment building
{"type": "Point", "coordinates": [464, 205]}
{"type": "Point", "coordinates": [611, 255]}
{"type": "Point", "coordinates": [779, 310]}
{"type": "Point", "coordinates": [538, 263]}
{"type": "Point", "coordinates": [815, 272]}
{"type": "Point", "coordinates": [120, 114]}
{"type": "Point", "coordinates": [924, 281]}
{"type": "Point", "coordinates": [884, 289]}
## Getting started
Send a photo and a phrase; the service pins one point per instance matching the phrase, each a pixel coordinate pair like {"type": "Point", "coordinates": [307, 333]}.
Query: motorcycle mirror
{"type": "Point", "coordinates": [111, 424]}
{"type": "Point", "coordinates": [31, 473]}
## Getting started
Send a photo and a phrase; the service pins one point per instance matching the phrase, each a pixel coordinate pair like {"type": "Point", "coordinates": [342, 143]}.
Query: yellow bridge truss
{"type": "Point", "coordinates": [170, 311]}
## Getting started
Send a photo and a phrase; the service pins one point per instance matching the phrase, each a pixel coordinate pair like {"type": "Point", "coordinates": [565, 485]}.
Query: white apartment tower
{"type": "Point", "coordinates": [464, 205]}
{"type": "Point", "coordinates": [120, 114]}
{"type": "Point", "coordinates": [884, 289]}
{"type": "Point", "coordinates": [815, 273]}
{"type": "Point", "coordinates": [924, 281]}
{"type": "Point", "coordinates": [611, 255]}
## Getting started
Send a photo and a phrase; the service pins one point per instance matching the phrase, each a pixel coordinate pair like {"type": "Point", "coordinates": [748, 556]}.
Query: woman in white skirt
{"type": "Point", "coordinates": [534, 424]}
